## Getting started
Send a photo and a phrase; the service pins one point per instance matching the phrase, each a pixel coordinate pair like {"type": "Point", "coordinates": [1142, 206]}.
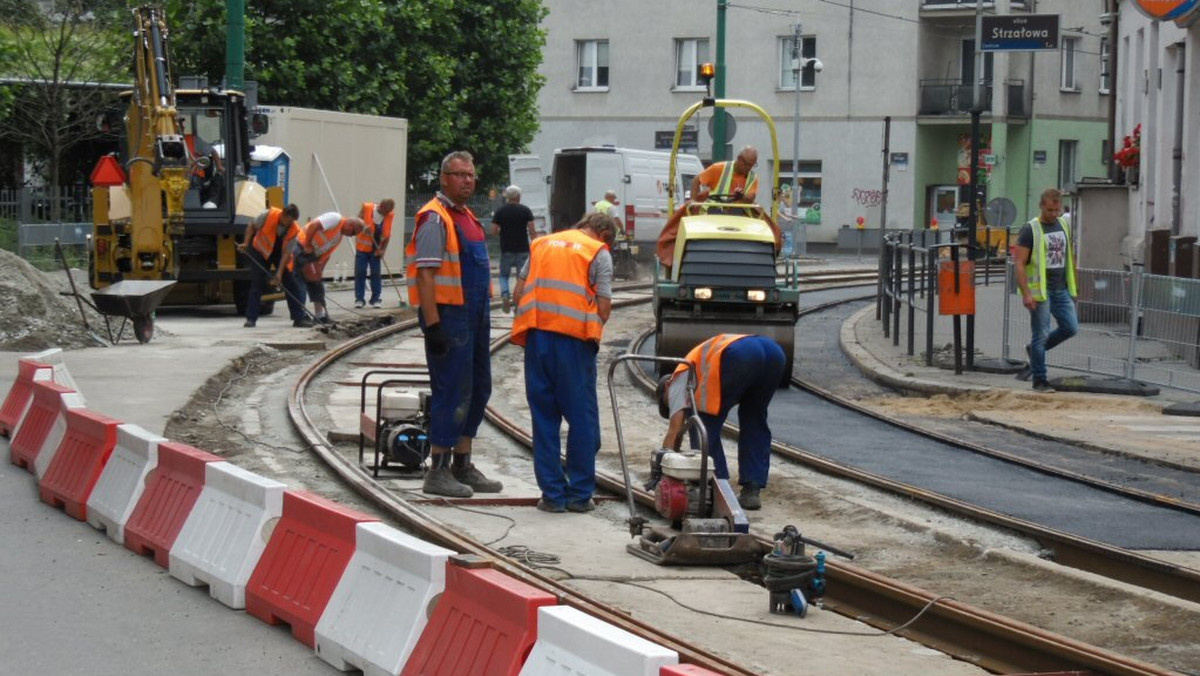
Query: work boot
{"type": "Point", "coordinates": [506, 300]}
{"type": "Point", "coordinates": [302, 323]}
{"type": "Point", "coordinates": [324, 319]}
{"type": "Point", "coordinates": [358, 304]}
{"type": "Point", "coordinates": [1026, 372]}
{"type": "Point", "coordinates": [472, 477]}
{"type": "Point", "coordinates": [748, 498]}
{"type": "Point", "coordinates": [550, 507]}
{"type": "Point", "coordinates": [250, 323]}
{"type": "Point", "coordinates": [440, 481]}
{"type": "Point", "coordinates": [584, 506]}
{"type": "Point", "coordinates": [1042, 385]}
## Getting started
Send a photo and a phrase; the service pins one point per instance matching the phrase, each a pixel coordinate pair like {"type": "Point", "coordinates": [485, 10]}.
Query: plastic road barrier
{"type": "Point", "coordinates": [16, 404]}
{"type": "Point", "coordinates": [124, 478]}
{"type": "Point", "coordinates": [303, 563]}
{"type": "Point", "coordinates": [687, 670]}
{"type": "Point", "coordinates": [54, 359]}
{"type": "Point", "coordinates": [381, 605]}
{"type": "Point", "coordinates": [172, 489]}
{"type": "Point", "coordinates": [85, 448]}
{"type": "Point", "coordinates": [42, 429]}
{"type": "Point", "coordinates": [571, 641]}
{"type": "Point", "coordinates": [226, 532]}
{"type": "Point", "coordinates": [485, 623]}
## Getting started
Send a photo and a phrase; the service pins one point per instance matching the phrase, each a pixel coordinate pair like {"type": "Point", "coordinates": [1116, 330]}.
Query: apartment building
{"type": "Point", "coordinates": [620, 72]}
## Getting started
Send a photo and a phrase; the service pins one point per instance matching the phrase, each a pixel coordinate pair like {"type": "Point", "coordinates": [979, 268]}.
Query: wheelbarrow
{"type": "Point", "coordinates": [132, 300]}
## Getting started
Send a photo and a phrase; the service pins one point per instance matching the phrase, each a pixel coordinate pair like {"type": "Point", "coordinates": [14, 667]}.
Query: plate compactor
{"type": "Point", "coordinates": [707, 525]}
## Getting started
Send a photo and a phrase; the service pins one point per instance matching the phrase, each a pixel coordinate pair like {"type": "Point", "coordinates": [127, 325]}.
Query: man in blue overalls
{"type": "Point", "coordinates": [448, 260]}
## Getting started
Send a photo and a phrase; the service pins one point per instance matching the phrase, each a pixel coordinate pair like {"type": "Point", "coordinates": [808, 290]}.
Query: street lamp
{"type": "Point", "coordinates": [799, 63]}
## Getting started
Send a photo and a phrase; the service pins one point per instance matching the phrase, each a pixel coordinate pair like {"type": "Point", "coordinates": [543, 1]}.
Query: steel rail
{"type": "Point", "coordinates": [440, 533]}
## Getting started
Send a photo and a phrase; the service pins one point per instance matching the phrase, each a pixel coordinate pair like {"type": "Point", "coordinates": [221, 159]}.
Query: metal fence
{"type": "Point", "coordinates": [1131, 324]}
{"type": "Point", "coordinates": [71, 204]}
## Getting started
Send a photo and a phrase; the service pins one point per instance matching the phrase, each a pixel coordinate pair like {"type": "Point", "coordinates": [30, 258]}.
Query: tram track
{"type": "Point", "coordinates": [990, 640]}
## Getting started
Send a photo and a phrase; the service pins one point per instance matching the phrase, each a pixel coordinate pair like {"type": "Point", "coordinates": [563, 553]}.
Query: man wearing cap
{"type": "Point", "coordinates": [731, 370]}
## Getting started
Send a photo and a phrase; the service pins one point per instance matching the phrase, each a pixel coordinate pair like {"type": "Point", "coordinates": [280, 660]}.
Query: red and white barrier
{"type": "Point", "coordinates": [124, 478]}
{"type": "Point", "coordinates": [381, 604]}
{"type": "Point", "coordinates": [54, 359]}
{"type": "Point", "coordinates": [16, 404]}
{"type": "Point", "coordinates": [687, 670]}
{"type": "Point", "coordinates": [303, 563]}
{"type": "Point", "coordinates": [485, 623]}
{"type": "Point", "coordinates": [571, 641]}
{"type": "Point", "coordinates": [171, 491]}
{"type": "Point", "coordinates": [35, 443]}
{"type": "Point", "coordinates": [76, 466]}
{"type": "Point", "coordinates": [227, 531]}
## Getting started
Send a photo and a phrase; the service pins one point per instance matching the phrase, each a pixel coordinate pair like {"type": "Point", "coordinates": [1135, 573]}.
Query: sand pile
{"type": "Point", "coordinates": [34, 315]}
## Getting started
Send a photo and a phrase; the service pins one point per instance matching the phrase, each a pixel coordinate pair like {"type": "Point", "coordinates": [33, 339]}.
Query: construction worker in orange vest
{"type": "Point", "coordinates": [313, 248]}
{"type": "Point", "coordinates": [564, 297]}
{"type": "Point", "coordinates": [370, 245]}
{"type": "Point", "coordinates": [731, 370]}
{"type": "Point", "coordinates": [448, 261]}
{"type": "Point", "coordinates": [267, 237]}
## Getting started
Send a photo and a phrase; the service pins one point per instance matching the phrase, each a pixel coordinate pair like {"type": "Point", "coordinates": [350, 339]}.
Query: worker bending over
{"type": "Point", "coordinates": [314, 247]}
{"type": "Point", "coordinates": [731, 370]}
{"type": "Point", "coordinates": [735, 181]}
{"type": "Point", "coordinates": [267, 238]}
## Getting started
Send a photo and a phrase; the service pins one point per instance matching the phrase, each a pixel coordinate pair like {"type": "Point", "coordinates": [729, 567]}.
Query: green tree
{"type": "Point", "coordinates": [464, 74]}
{"type": "Point", "coordinates": [57, 57]}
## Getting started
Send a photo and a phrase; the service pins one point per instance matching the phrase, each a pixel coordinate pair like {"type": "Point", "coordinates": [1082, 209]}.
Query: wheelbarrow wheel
{"type": "Point", "coordinates": [143, 329]}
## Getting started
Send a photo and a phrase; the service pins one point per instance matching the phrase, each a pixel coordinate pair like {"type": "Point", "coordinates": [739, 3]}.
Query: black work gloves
{"type": "Point", "coordinates": [436, 340]}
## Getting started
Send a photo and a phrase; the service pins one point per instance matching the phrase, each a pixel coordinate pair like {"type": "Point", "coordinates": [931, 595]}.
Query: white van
{"type": "Point", "coordinates": [580, 177]}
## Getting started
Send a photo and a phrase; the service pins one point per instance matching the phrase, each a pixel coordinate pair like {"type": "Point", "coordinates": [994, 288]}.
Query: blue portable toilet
{"type": "Point", "coordinates": [270, 165]}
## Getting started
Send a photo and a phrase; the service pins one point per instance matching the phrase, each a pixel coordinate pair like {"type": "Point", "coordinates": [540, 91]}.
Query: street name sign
{"type": "Point", "coordinates": [1019, 33]}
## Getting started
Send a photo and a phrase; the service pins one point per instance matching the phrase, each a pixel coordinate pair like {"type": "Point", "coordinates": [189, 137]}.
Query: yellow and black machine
{"type": "Point", "coordinates": [182, 193]}
{"type": "Point", "coordinates": [722, 275]}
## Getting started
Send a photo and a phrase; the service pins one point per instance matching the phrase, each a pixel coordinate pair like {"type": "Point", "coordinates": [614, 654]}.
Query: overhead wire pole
{"type": "Point", "coordinates": [973, 210]}
{"type": "Point", "coordinates": [235, 44]}
{"type": "Point", "coordinates": [799, 234]}
{"type": "Point", "coordinates": [718, 128]}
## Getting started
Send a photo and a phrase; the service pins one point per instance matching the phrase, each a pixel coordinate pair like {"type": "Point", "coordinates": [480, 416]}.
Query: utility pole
{"type": "Point", "coordinates": [799, 234]}
{"type": "Point", "coordinates": [976, 111]}
{"type": "Point", "coordinates": [235, 44]}
{"type": "Point", "coordinates": [718, 149]}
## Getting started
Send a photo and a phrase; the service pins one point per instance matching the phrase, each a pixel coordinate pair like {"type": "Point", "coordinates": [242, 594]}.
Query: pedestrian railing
{"type": "Point", "coordinates": [1131, 324]}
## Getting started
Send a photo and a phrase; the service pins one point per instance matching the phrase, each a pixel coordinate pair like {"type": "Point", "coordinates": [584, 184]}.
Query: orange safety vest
{"type": "Point", "coordinates": [706, 358]}
{"type": "Point", "coordinates": [264, 239]}
{"type": "Point", "coordinates": [365, 242]}
{"type": "Point", "coordinates": [557, 294]}
{"type": "Point", "coordinates": [323, 243]}
{"type": "Point", "coordinates": [447, 288]}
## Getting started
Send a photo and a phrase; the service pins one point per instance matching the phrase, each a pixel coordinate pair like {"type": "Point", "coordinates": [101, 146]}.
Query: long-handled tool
{"type": "Point", "coordinates": [708, 525]}
{"type": "Point", "coordinates": [392, 277]}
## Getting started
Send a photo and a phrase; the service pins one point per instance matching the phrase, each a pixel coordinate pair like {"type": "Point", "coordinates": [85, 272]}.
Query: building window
{"type": "Point", "coordinates": [592, 57]}
{"type": "Point", "coordinates": [1070, 47]}
{"type": "Point", "coordinates": [809, 180]}
{"type": "Point", "coordinates": [689, 54]}
{"type": "Point", "coordinates": [966, 61]}
{"type": "Point", "coordinates": [1066, 165]}
{"type": "Point", "coordinates": [1105, 65]}
{"type": "Point", "coordinates": [787, 73]}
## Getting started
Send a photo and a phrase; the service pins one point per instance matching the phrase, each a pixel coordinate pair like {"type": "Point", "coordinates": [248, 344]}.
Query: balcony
{"type": "Point", "coordinates": [954, 98]}
{"type": "Point", "coordinates": [959, 9]}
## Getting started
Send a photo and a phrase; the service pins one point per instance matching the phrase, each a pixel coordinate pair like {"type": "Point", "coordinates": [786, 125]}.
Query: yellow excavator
{"type": "Point", "coordinates": [182, 195]}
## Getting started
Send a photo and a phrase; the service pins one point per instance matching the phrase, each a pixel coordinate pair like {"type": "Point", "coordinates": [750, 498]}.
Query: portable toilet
{"type": "Point", "coordinates": [269, 165]}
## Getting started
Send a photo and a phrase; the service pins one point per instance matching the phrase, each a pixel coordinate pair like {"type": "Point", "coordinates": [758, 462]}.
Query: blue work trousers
{"type": "Point", "coordinates": [560, 382]}
{"type": "Point", "coordinates": [1061, 307]}
{"type": "Point", "coordinates": [367, 262]}
{"type": "Point", "coordinates": [510, 261]}
{"type": "Point", "coordinates": [260, 277]}
{"type": "Point", "coordinates": [460, 381]}
{"type": "Point", "coordinates": [751, 369]}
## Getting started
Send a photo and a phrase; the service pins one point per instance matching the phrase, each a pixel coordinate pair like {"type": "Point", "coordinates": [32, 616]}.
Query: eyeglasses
{"type": "Point", "coordinates": [465, 175]}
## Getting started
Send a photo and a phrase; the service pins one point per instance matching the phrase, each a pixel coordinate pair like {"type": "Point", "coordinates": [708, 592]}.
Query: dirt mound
{"type": "Point", "coordinates": [34, 315]}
